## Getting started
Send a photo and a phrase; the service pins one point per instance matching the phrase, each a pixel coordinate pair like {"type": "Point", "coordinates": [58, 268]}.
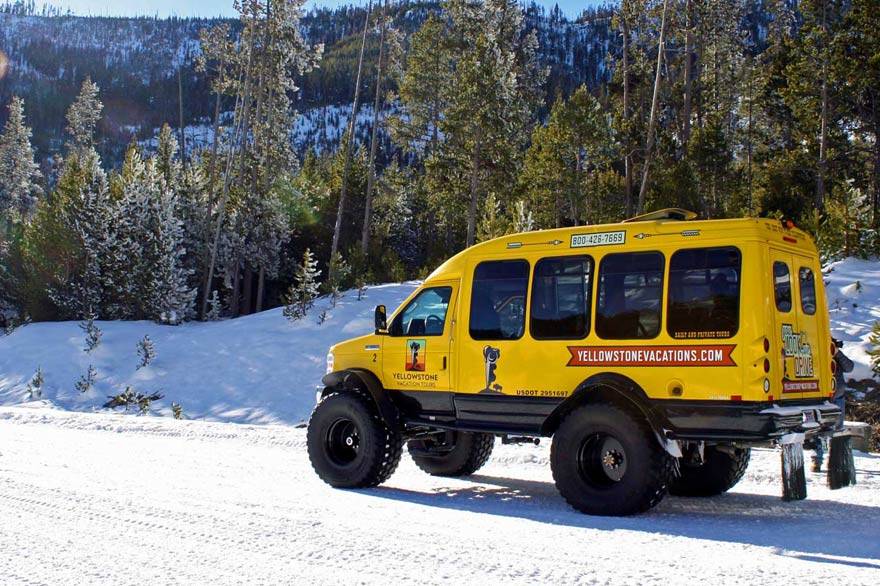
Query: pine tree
{"type": "Point", "coordinates": [146, 351]}
{"type": "Point", "coordinates": [87, 381]}
{"type": "Point", "coordinates": [83, 117]}
{"type": "Point", "coordinates": [304, 290]}
{"type": "Point", "coordinates": [492, 224]}
{"type": "Point", "coordinates": [19, 174]}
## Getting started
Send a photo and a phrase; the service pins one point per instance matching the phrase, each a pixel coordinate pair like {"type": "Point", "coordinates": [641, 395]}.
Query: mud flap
{"type": "Point", "coordinates": [794, 478]}
{"type": "Point", "coordinates": [841, 465]}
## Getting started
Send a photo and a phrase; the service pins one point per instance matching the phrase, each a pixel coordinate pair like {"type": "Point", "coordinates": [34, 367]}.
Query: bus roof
{"type": "Point", "coordinates": [637, 234]}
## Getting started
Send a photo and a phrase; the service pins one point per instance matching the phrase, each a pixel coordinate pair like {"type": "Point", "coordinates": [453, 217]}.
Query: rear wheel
{"type": "Point", "coordinates": [452, 453]}
{"type": "Point", "coordinates": [349, 444]}
{"type": "Point", "coordinates": [606, 461]}
{"type": "Point", "coordinates": [720, 471]}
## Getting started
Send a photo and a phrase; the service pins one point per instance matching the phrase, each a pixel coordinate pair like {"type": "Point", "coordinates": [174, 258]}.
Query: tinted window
{"type": "Point", "coordinates": [425, 315]}
{"type": "Point", "coordinates": [782, 286]}
{"type": "Point", "coordinates": [808, 290]}
{"type": "Point", "coordinates": [629, 295]}
{"type": "Point", "coordinates": [704, 293]}
{"type": "Point", "coordinates": [498, 300]}
{"type": "Point", "coordinates": [561, 298]}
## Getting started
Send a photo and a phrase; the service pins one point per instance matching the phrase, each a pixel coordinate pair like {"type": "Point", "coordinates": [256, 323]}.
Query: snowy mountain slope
{"type": "Point", "coordinates": [257, 369]}
{"type": "Point", "coordinates": [108, 499]}
{"type": "Point", "coordinates": [853, 289]}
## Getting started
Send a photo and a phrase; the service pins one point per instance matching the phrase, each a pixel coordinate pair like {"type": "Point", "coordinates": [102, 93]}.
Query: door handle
{"type": "Point", "coordinates": [444, 363]}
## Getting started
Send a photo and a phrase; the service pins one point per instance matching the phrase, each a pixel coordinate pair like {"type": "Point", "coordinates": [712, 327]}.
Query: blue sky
{"type": "Point", "coordinates": [224, 7]}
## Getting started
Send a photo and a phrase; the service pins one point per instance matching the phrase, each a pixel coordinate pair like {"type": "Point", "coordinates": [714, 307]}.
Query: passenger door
{"type": "Point", "coordinates": [492, 357]}
{"type": "Point", "coordinates": [796, 327]}
{"type": "Point", "coordinates": [415, 355]}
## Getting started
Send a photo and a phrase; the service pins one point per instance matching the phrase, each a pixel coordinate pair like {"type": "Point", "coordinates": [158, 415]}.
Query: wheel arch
{"type": "Point", "coordinates": [613, 388]}
{"type": "Point", "coordinates": [353, 379]}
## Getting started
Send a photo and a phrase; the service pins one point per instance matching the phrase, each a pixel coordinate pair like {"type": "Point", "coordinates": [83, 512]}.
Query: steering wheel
{"type": "Point", "coordinates": [433, 324]}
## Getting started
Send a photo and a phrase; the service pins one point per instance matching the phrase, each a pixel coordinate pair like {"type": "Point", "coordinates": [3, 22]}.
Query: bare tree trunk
{"type": "Point", "coordinates": [823, 132]}
{"type": "Point", "coordinates": [371, 168]}
{"type": "Point", "coordinates": [214, 144]}
{"type": "Point", "coordinates": [248, 300]}
{"type": "Point", "coordinates": [261, 289]}
{"type": "Point", "coordinates": [627, 156]}
{"type": "Point", "coordinates": [337, 229]}
{"type": "Point", "coordinates": [180, 112]}
{"type": "Point", "coordinates": [875, 201]}
{"type": "Point", "coordinates": [235, 303]}
{"type": "Point", "coordinates": [239, 124]}
{"type": "Point", "coordinates": [475, 182]}
{"type": "Point", "coordinates": [688, 77]}
{"type": "Point", "coordinates": [652, 120]}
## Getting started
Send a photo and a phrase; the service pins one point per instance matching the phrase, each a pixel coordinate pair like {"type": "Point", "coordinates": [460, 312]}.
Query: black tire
{"type": "Point", "coordinates": [719, 473]}
{"type": "Point", "coordinates": [453, 453]}
{"type": "Point", "coordinates": [349, 444]}
{"type": "Point", "coordinates": [606, 461]}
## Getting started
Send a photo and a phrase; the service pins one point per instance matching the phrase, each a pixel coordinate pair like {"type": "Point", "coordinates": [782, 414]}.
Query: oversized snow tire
{"type": "Point", "coordinates": [349, 444]}
{"type": "Point", "coordinates": [719, 473]}
{"type": "Point", "coordinates": [461, 453]}
{"type": "Point", "coordinates": [606, 461]}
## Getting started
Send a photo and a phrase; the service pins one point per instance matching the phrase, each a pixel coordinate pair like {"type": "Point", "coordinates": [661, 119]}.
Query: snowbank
{"type": "Point", "coordinates": [853, 290]}
{"type": "Point", "coordinates": [256, 369]}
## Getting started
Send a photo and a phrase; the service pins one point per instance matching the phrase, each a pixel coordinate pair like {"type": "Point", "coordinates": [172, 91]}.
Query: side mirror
{"type": "Point", "coordinates": [381, 319]}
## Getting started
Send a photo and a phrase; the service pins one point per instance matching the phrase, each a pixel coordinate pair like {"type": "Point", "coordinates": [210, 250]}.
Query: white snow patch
{"type": "Point", "coordinates": [255, 369]}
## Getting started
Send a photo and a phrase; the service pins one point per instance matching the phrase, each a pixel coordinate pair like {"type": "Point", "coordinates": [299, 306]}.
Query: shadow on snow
{"type": "Point", "coordinates": [811, 530]}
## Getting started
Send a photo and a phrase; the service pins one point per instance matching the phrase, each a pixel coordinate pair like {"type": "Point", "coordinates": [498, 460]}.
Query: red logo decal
{"type": "Point", "coordinates": [696, 355]}
{"type": "Point", "coordinates": [800, 386]}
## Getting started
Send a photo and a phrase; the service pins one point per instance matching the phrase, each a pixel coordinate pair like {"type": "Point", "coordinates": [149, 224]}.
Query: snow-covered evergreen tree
{"type": "Point", "coordinates": [19, 174]}
{"type": "Point", "coordinates": [523, 221]}
{"type": "Point", "coordinates": [83, 116]}
{"type": "Point", "coordinates": [146, 351]}
{"type": "Point", "coordinates": [304, 290]}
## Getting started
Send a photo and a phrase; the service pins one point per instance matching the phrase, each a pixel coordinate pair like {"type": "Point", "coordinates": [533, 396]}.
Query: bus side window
{"type": "Point", "coordinates": [704, 290]}
{"type": "Point", "coordinates": [498, 300]}
{"type": "Point", "coordinates": [629, 296]}
{"type": "Point", "coordinates": [782, 286]}
{"type": "Point", "coordinates": [560, 306]}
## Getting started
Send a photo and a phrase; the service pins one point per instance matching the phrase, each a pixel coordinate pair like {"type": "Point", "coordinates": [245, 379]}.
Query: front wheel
{"type": "Point", "coordinates": [607, 462]}
{"type": "Point", "coordinates": [452, 453]}
{"type": "Point", "coordinates": [349, 444]}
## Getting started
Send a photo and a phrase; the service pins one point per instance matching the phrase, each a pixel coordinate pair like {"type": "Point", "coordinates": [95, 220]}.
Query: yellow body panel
{"type": "Point", "coordinates": [717, 369]}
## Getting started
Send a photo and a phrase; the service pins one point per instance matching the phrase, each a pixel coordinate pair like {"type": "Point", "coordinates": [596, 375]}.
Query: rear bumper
{"type": "Point", "coordinates": [745, 422]}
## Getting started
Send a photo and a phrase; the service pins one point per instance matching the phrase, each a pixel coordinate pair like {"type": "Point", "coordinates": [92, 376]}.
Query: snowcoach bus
{"type": "Point", "coordinates": [654, 352]}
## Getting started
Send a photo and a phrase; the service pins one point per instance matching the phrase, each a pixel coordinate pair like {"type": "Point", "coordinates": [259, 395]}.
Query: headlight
{"type": "Point", "coordinates": [329, 362]}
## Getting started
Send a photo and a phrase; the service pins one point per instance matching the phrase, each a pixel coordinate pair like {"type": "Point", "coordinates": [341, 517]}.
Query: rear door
{"type": "Point", "coordinates": [811, 346]}
{"type": "Point", "coordinates": [795, 327]}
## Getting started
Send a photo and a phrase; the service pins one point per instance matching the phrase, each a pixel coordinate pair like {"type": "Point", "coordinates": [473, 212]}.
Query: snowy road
{"type": "Point", "coordinates": [99, 498]}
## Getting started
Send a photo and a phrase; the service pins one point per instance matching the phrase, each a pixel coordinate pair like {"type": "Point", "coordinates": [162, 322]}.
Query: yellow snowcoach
{"type": "Point", "coordinates": [654, 352]}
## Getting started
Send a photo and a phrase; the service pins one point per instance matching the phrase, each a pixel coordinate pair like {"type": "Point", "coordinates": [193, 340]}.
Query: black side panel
{"type": "Point", "coordinates": [490, 413]}
{"type": "Point", "coordinates": [526, 414]}
{"type": "Point", "coordinates": [424, 404]}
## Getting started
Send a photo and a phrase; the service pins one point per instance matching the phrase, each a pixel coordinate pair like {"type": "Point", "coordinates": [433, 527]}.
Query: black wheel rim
{"type": "Point", "coordinates": [602, 460]}
{"type": "Point", "coordinates": [342, 442]}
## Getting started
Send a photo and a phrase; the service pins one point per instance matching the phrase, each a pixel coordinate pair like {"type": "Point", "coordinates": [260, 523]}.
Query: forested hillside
{"type": "Point", "coordinates": [473, 119]}
{"type": "Point", "coordinates": [144, 66]}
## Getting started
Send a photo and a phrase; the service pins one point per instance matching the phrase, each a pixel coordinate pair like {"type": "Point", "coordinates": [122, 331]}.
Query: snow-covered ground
{"type": "Point", "coordinates": [853, 290]}
{"type": "Point", "coordinates": [255, 369]}
{"type": "Point", "coordinates": [98, 498]}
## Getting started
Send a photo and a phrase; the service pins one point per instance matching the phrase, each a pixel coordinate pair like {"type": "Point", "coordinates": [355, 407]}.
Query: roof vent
{"type": "Point", "coordinates": [665, 214]}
